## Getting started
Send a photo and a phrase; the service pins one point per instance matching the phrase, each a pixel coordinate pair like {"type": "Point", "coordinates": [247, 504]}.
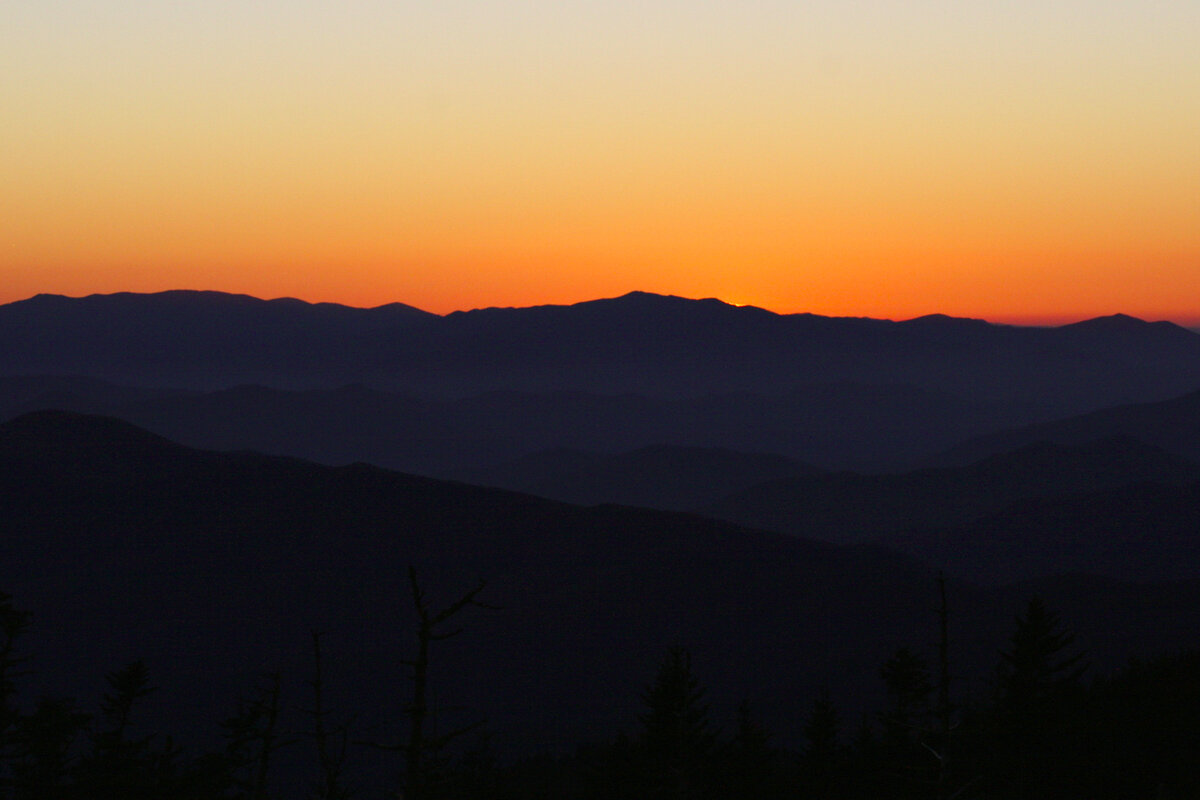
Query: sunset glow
{"type": "Point", "coordinates": [1017, 162]}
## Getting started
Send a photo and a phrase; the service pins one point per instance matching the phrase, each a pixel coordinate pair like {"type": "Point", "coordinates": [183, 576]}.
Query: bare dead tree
{"type": "Point", "coordinates": [944, 710]}
{"type": "Point", "coordinates": [269, 705]}
{"type": "Point", "coordinates": [331, 740]}
{"type": "Point", "coordinates": [14, 623]}
{"type": "Point", "coordinates": [430, 628]}
{"type": "Point", "coordinates": [943, 700]}
{"type": "Point", "coordinates": [252, 736]}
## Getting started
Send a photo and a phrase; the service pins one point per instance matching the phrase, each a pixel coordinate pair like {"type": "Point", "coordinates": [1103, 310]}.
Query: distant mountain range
{"type": "Point", "coordinates": [475, 390]}
{"type": "Point", "coordinates": [929, 513]}
{"type": "Point", "coordinates": [216, 566]}
{"type": "Point", "coordinates": [848, 507]}
{"type": "Point", "coordinates": [1173, 425]}
{"type": "Point", "coordinates": [858, 426]}
{"type": "Point", "coordinates": [640, 343]}
{"type": "Point", "coordinates": [1113, 507]}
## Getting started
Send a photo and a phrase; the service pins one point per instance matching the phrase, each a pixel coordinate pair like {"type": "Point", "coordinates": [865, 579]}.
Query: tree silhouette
{"type": "Point", "coordinates": [252, 738]}
{"type": "Point", "coordinates": [121, 764]}
{"type": "Point", "coordinates": [1037, 666]}
{"type": "Point", "coordinates": [751, 739]}
{"type": "Point", "coordinates": [1037, 678]}
{"type": "Point", "coordinates": [908, 723]}
{"type": "Point", "coordinates": [749, 763]}
{"type": "Point", "coordinates": [14, 623]}
{"type": "Point", "coordinates": [429, 630]}
{"type": "Point", "coordinates": [906, 677]}
{"type": "Point", "coordinates": [675, 731]}
{"type": "Point", "coordinates": [45, 745]}
{"type": "Point", "coordinates": [822, 753]}
{"type": "Point", "coordinates": [331, 739]}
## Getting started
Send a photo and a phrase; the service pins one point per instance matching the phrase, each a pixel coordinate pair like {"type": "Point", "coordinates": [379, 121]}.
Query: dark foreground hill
{"type": "Point", "coordinates": [215, 567]}
{"type": "Point", "coordinates": [219, 564]}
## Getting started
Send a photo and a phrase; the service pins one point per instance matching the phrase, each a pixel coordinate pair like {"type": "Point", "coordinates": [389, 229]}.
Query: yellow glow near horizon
{"type": "Point", "coordinates": [1035, 161]}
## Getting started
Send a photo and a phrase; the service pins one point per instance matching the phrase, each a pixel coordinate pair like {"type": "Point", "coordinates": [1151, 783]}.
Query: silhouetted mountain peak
{"type": "Point", "coordinates": [1123, 323]}
{"type": "Point", "coordinates": [945, 320]}
{"type": "Point", "coordinates": [639, 302]}
{"type": "Point", "coordinates": [679, 311]}
{"type": "Point", "coordinates": [609, 322]}
{"type": "Point", "coordinates": [638, 296]}
{"type": "Point", "coordinates": [1117, 320]}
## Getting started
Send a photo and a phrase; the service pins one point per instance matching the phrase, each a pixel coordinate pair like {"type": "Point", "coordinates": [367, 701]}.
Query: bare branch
{"type": "Point", "coordinates": [443, 740]}
{"type": "Point", "coordinates": [439, 637]}
{"type": "Point", "coordinates": [464, 601]}
{"type": "Point", "coordinates": [391, 748]}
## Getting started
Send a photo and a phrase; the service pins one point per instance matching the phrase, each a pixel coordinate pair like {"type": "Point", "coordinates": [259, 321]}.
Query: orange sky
{"type": "Point", "coordinates": [1033, 162]}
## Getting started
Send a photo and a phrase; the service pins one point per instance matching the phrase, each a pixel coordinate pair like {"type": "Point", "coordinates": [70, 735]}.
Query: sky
{"type": "Point", "coordinates": [1029, 160]}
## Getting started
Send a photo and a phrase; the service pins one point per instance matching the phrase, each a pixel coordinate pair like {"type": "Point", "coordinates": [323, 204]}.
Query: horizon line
{"type": "Point", "coordinates": [1189, 321]}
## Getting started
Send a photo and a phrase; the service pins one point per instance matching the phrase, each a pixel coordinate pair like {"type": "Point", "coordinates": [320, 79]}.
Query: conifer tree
{"type": "Point", "coordinates": [906, 677]}
{"type": "Point", "coordinates": [822, 753]}
{"type": "Point", "coordinates": [45, 744]}
{"type": "Point", "coordinates": [675, 729]}
{"type": "Point", "coordinates": [1038, 675]}
{"type": "Point", "coordinates": [1038, 664]}
{"type": "Point", "coordinates": [909, 723]}
{"type": "Point", "coordinates": [120, 764]}
{"type": "Point", "coordinates": [750, 763]}
{"type": "Point", "coordinates": [751, 739]}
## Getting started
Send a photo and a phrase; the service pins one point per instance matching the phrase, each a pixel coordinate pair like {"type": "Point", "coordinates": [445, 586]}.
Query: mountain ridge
{"type": "Point", "coordinates": [634, 297]}
{"type": "Point", "coordinates": [660, 369]}
{"type": "Point", "coordinates": [842, 425]}
{"type": "Point", "coordinates": [659, 345]}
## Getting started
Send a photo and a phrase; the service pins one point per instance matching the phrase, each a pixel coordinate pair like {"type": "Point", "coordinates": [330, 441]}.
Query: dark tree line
{"type": "Point", "coordinates": [1046, 730]}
